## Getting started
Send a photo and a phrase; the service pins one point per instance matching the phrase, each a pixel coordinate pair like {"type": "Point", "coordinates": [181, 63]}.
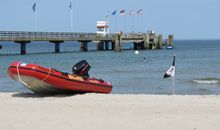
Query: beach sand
{"type": "Point", "coordinates": [20, 111]}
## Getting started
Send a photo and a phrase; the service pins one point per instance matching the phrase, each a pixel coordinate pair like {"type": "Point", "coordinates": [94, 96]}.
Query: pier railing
{"type": "Point", "coordinates": [63, 36]}
{"type": "Point", "coordinates": [50, 36]}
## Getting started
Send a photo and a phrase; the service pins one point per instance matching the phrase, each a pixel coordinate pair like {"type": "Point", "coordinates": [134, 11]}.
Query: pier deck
{"type": "Point", "coordinates": [140, 41]}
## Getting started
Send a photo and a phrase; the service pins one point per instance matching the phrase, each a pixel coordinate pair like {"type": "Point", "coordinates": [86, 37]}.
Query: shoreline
{"type": "Point", "coordinates": [113, 111]}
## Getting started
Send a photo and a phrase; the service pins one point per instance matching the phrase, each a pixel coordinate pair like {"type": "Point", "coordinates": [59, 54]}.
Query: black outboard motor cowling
{"type": "Point", "coordinates": [81, 68]}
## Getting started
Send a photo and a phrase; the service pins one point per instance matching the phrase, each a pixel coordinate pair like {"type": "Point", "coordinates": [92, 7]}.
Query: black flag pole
{"type": "Point", "coordinates": [171, 73]}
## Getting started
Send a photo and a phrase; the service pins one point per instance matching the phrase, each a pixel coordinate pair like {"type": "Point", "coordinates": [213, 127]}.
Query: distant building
{"type": "Point", "coordinates": [102, 28]}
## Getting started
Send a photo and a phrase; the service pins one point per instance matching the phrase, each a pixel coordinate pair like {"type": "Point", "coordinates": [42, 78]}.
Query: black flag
{"type": "Point", "coordinates": [171, 70]}
{"type": "Point", "coordinates": [34, 7]}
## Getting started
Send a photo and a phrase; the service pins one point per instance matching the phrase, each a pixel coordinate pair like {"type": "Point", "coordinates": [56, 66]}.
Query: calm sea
{"type": "Point", "coordinates": [197, 66]}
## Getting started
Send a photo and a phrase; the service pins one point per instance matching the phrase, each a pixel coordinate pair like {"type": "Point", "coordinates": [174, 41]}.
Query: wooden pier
{"type": "Point", "coordinates": [141, 41]}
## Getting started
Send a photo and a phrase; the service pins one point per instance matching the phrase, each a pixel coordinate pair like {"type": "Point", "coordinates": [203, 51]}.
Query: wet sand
{"type": "Point", "coordinates": [21, 111]}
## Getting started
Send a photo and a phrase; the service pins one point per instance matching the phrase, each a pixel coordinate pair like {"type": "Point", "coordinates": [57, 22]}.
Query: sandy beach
{"type": "Point", "coordinates": [20, 111]}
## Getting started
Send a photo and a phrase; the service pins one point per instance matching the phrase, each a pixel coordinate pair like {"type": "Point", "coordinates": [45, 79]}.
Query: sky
{"type": "Point", "coordinates": [186, 19]}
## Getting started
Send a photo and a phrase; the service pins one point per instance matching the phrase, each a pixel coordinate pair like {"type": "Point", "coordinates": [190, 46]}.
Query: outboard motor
{"type": "Point", "coordinates": [81, 68]}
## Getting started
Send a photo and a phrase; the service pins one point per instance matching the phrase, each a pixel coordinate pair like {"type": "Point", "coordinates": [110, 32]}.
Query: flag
{"type": "Point", "coordinates": [114, 12]}
{"type": "Point", "coordinates": [131, 12]}
{"type": "Point", "coordinates": [34, 7]}
{"type": "Point", "coordinates": [70, 5]}
{"type": "Point", "coordinates": [139, 12]}
{"type": "Point", "coordinates": [122, 12]}
{"type": "Point", "coordinates": [171, 70]}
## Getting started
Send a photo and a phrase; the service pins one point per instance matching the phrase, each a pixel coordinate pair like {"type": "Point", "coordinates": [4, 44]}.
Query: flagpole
{"type": "Point", "coordinates": [122, 13]}
{"type": "Point", "coordinates": [139, 12]}
{"type": "Point", "coordinates": [131, 14]}
{"type": "Point", "coordinates": [132, 26]}
{"type": "Point", "coordinates": [35, 22]}
{"type": "Point", "coordinates": [125, 23]}
{"type": "Point", "coordinates": [174, 69]}
{"type": "Point", "coordinates": [114, 14]}
{"type": "Point", "coordinates": [71, 16]}
{"type": "Point", "coordinates": [116, 25]}
{"type": "Point", "coordinates": [141, 22]}
{"type": "Point", "coordinates": [173, 85]}
{"type": "Point", "coordinates": [107, 19]}
{"type": "Point", "coordinates": [71, 13]}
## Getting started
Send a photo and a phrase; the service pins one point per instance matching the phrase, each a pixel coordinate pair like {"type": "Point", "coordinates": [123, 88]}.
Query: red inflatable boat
{"type": "Point", "coordinates": [48, 80]}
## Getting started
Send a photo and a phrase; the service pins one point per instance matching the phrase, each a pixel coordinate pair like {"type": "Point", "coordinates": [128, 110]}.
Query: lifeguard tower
{"type": "Point", "coordinates": [102, 28]}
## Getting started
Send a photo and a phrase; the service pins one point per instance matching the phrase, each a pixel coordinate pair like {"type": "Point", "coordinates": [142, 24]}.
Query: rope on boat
{"type": "Point", "coordinates": [20, 80]}
{"type": "Point", "coordinates": [19, 77]}
{"type": "Point", "coordinates": [46, 76]}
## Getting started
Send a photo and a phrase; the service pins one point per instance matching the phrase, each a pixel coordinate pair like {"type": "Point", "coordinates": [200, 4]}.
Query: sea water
{"type": "Point", "coordinates": [197, 66]}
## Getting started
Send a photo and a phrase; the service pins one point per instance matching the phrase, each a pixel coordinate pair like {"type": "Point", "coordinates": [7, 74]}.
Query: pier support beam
{"type": "Point", "coordinates": [57, 45]}
{"type": "Point", "coordinates": [147, 41]}
{"type": "Point", "coordinates": [100, 46]}
{"type": "Point", "coordinates": [142, 45]}
{"type": "Point", "coordinates": [153, 41]}
{"type": "Point", "coordinates": [106, 45]}
{"type": "Point", "coordinates": [0, 46]}
{"type": "Point", "coordinates": [118, 44]}
{"type": "Point", "coordinates": [113, 45]}
{"type": "Point", "coordinates": [135, 46]}
{"type": "Point", "coordinates": [160, 42]}
{"type": "Point", "coordinates": [156, 43]}
{"type": "Point", "coordinates": [83, 45]}
{"type": "Point", "coordinates": [170, 41]}
{"type": "Point", "coordinates": [139, 46]}
{"type": "Point", "coordinates": [22, 46]}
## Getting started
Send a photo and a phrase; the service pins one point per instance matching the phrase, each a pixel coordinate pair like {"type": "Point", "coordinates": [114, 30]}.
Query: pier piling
{"type": "Point", "coordinates": [118, 44]}
{"type": "Point", "coordinates": [100, 46]}
{"type": "Point", "coordinates": [135, 46]}
{"type": "Point", "coordinates": [160, 41]}
{"type": "Point", "coordinates": [57, 45]}
{"type": "Point", "coordinates": [22, 46]}
{"type": "Point", "coordinates": [84, 45]}
{"type": "Point", "coordinates": [139, 45]}
{"type": "Point", "coordinates": [147, 41]}
{"type": "Point", "coordinates": [170, 41]}
{"type": "Point", "coordinates": [106, 45]}
{"type": "Point", "coordinates": [113, 45]}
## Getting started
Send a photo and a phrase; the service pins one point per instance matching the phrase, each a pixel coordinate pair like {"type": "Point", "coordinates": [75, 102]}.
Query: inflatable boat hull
{"type": "Point", "coordinates": [47, 80]}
